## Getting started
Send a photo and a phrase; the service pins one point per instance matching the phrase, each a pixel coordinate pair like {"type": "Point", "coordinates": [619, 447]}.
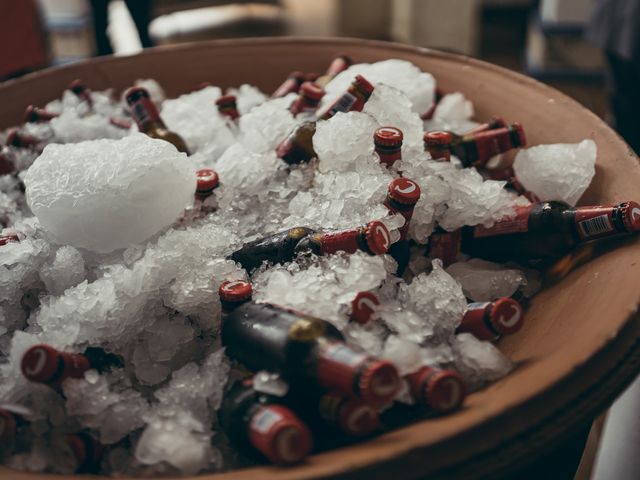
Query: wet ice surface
{"type": "Point", "coordinates": [111, 260]}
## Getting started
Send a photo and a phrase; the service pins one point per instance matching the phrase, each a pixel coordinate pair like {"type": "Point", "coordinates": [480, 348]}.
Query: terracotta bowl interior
{"type": "Point", "coordinates": [567, 325]}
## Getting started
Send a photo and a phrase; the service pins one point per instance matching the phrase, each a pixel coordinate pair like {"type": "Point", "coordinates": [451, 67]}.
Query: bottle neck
{"type": "Point", "coordinates": [405, 210]}
{"type": "Point", "coordinates": [388, 155]}
{"type": "Point", "coordinates": [146, 115]}
{"type": "Point", "coordinates": [594, 222]}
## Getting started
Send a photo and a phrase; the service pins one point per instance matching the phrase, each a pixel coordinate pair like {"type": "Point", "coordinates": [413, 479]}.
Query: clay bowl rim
{"type": "Point", "coordinates": [569, 396]}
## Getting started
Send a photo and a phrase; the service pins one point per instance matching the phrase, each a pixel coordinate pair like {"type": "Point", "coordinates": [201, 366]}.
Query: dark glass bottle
{"type": "Point", "coordinates": [34, 114]}
{"type": "Point", "coordinates": [82, 92]}
{"type": "Point", "coordinates": [549, 230]}
{"type": "Point", "coordinates": [207, 182]}
{"type": "Point", "coordinates": [444, 246]}
{"type": "Point", "coordinates": [86, 450]}
{"type": "Point", "coordinates": [387, 142]}
{"type": "Point", "coordinates": [228, 107]}
{"type": "Point", "coordinates": [474, 149]}
{"type": "Point", "coordinates": [252, 420]}
{"type": "Point", "coordinates": [308, 99]}
{"type": "Point", "coordinates": [339, 64]}
{"type": "Point", "coordinates": [488, 320]}
{"type": "Point", "coordinates": [146, 115]}
{"type": "Point", "coordinates": [18, 139]}
{"type": "Point", "coordinates": [44, 364]}
{"type": "Point", "coordinates": [306, 351]}
{"type": "Point", "coordinates": [284, 246]}
{"type": "Point", "coordinates": [402, 196]}
{"type": "Point", "coordinates": [290, 85]}
{"type": "Point", "coordinates": [491, 124]}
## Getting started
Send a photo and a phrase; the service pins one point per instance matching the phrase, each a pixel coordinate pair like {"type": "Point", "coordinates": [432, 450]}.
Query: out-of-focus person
{"type": "Point", "coordinates": [615, 27]}
{"type": "Point", "coordinates": [140, 12]}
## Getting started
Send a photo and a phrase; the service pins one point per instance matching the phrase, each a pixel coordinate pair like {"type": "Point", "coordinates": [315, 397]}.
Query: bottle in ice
{"type": "Point", "coordinates": [308, 99]}
{"type": "Point", "coordinates": [44, 364]}
{"type": "Point", "coordinates": [207, 181]}
{"type": "Point", "coordinates": [282, 247]}
{"type": "Point", "coordinates": [438, 390]}
{"type": "Point", "coordinates": [402, 196]}
{"type": "Point", "coordinates": [339, 64]}
{"type": "Point", "coordinates": [86, 450]}
{"type": "Point", "coordinates": [474, 149]}
{"type": "Point", "coordinates": [146, 115]}
{"type": "Point", "coordinates": [290, 85]}
{"type": "Point", "coordinates": [298, 146]}
{"type": "Point", "coordinates": [34, 114]}
{"type": "Point", "coordinates": [227, 106]}
{"type": "Point", "coordinates": [489, 320]}
{"type": "Point", "coordinates": [234, 293]}
{"type": "Point", "coordinates": [82, 92]}
{"type": "Point", "coordinates": [9, 238]}
{"type": "Point", "coordinates": [387, 142]}
{"type": "Point", "coordinates": [12, 434]}
{"type": "Point", "coordinates": [253, 421]}
{"type": "Point", "coordinates": [549, 230]}
{"type": "Point", "coordinates": [306, 351]}
{"type": "Point", "coordinates": [363, 307]}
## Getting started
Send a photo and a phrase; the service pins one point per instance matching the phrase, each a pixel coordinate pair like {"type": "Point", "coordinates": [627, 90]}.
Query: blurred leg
{"type": "Point", "coordinates": [100, 20]}
{"type": "Point", "coordinates": [623, 81]}
{"type": "Point", "coordinates": [141, 13]}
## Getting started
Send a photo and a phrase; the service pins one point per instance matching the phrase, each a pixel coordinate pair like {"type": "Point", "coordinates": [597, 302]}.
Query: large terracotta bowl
{"type": "Point", "coordinates": [580, 345]}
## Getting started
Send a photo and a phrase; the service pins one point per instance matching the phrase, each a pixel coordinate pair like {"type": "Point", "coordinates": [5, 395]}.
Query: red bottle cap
{"type": "Point", "coordinates": [404, 191]}
{"type": "Point", "coordinates": [134, 93]}
{"type": "Point", "coordinates": [506, 316]}
{"type": "Point", "coordinates": [631, 216]}
{"type": "Point", "coordinates": [7, 427]}
{"type": "Point", "coordinates": [388, 137]}
{"type": "Point", "coordinates": [235, 291]}
{"type": "Point", "coordinates": [312, 91]}
{"type": "Point", "coordinates": [86, 450]}
{"type": "Point", "coordinates": [437, 138]}
{"type": "Point", "coordinates": [77, 87]}
{"type": "Point", "coordinates": [363, 306]}
{"type": "Point", "coordinates": [363, 84]}
{"type": "Point", "coordinates": [378, 237]}
{"type": "Point", "coordinates": [357, 418]}
{"type": "Point", "coordinates": [440, 390]}
{"type": "Point", "coordinates": [41, 363]}
{"type": "Point", "coordinates": [379, 383]}
{"type": "Point", "coordinates": [9, 238]}
{"type": "Point", "coordinates": [207, 180]}
{"type": "Point", "coordinates": [280, 435]}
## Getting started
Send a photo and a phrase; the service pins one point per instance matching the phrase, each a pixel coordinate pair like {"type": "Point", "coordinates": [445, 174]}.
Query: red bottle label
{"type": "Point", "coordinates": [595, 222]}
{"type": "Point", "coordinates": [516, 224]}
{"type": "Point", "coordinates": [346, 103]}
{"type": "Point", "coordinates": [332, 242]}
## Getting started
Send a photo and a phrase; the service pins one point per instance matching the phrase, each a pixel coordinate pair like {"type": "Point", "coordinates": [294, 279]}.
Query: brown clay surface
{"type": "Point", "coordinates": [580, 345]}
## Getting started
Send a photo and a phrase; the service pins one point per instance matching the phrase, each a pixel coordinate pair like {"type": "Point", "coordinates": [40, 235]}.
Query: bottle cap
{"type": "Point", "coordinates": [379, 383]}
{"type": "Point", "coordinates": [388, 137]}
{"type": "Point", "coordinates": [363, 84]}
{"type": "Point", "coordinates": [631, 216]}
{"type": "Point", "coordinates": [227, 101]}
{"type": "Point", "coordinates": [31, 114]}
{"type": "Point", "coordinates": [363, 306]}
{"type": "Point", "coordinates": [134, 93]}
{"type": "Point", "coordinates": [517, 135]}
{"type": "Point", "coordinates": [235, 291]}
{"type": "Point", "coordinates": [13, 138]}
{"type": "Point", "coordinates": [378, 237]}
{"type": "Point", "coordinates": [357, 418]}
{"type": "Point", "coordinates": [207, 180]}
{"type": "Point", "coordinates": [506, 316]}
{"type": "Point", "coordinates": [444, 391]}
{"type": "Point", "coordinates": [404, 191]}
{"type": "Point", "coordinates": [7, 427]}
{"type": "Point", "coordinates": [40, 363]}
{"type": "Point", "coordinates": [312, 91]}
{"type": "Point", "coordinates": [437, 138]}
{"type": "Point", "coordinates": [11, 237]}
{"type": "Point", "coordinates": [77, 86]}
{"type": "Point", "coordinates": [86, 450]}
{"type": "Point", "coordinates": [280, 435]}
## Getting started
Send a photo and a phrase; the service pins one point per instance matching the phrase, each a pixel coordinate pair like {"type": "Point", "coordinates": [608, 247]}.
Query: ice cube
{"type": "Point", "coordinates": [478, 361]}
{"type": "Point", "coordinates": [560, 171]}
{"type": "Point", "coordinates": [104, 195]}
{"type": "Point", "coordinates": [484, 281]}
{"type": "Point", "coordinates": [66, 269]}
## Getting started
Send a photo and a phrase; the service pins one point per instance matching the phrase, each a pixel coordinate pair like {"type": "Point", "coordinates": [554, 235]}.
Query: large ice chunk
{"type": "Point", "coordinates": [484, 281]}
{"type": "Point", "coordinates": [104, 195]}
{"type": "Point", "coordinates": [560, 171]}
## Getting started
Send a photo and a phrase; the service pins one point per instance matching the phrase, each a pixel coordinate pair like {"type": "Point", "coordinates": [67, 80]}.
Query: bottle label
{"type": "Point", "coordinates": [344, 104]}
{"type": "Point", "coordinates": [516, 224]}
{"type": "Point", "coordinates": [345, 355]}
{"type": "Point", "coordinates": [264, 420]}
{"type": "Point", "coordinates": [595, 222]}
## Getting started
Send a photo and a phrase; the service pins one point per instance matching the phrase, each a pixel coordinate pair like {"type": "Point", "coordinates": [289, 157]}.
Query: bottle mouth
{"type": "Point", "coordinates": [40, 363]}
{"type": "Point", "coordinates": [631, 216]}
{"type": "Point", "coordinates": [404, 191]}
{"type": "Point", "coordinates": [437, 138]}
{"type": "Point", "coordinates": [379, 383]}
{"type": "Point", "coordinates": [292, 444]}
{"type": "Point", "coordinates": [388, 137]}
{"type": "Point", "coordinates": [358, 418]}
{"type": "Point", "coordinates": [507, 316]}
{"type": "Point", "coordinates": [378, 237]}
{"type": "Point", "coordinates": [363, 306]}
{"type": "Point", "coordinates": [445, 391]}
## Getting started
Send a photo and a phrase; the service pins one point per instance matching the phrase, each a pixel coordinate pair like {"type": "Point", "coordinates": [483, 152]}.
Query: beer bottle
{"type": "Point", "coordinates": [284, 246]}
{"type": "Point", "coordinates": [146, 116]}
{"type": "Point", "coordinates": [253, 420]}
{"type": "Point", "coordinates": [339, 64]}
{"type": "Point", "coordinates": [548, 230]}
{"type": "Point", "coordinates": [387, 142]}
{"type": "Point", "coordinates": [489, 320]}
{"type": "Point", "coordinates": [306, 351]}
{"type": "Point", "coordinates": [402, 196]}
{"type": "Point", "coordinates": [9, 238]}
{"type": "Point", "coordinates": [227, 106]}
{"type": "Point", "coordinates": [234, 293]}
{"type": "Point", "coordinates": [7, 164]}
{"type": "Point", "coordinates": [492, 124]}
{"type": "Point", "coordinates": [444, 246]}
{"type": "Point", "coordinates": [298, 146]}
{"type": "Point", "coordinates": [82, 92]}
{"type": "Point", "coordinates": [86, 450]}
{"type": "Point", "coordinates": [428, 115]}
{"type": "Point", "coordinates": [290, 85]}
{"type": "Point", "coordinates": [44, 364]}
{"type": "Point", "coordinates": [34, 114]}
{"type": "Point", "coordinates": [16, 138]}
{"type": "Point", "coordinates": [474, 149]}
{"type": "Point", "coordinates": [438, 390]}
{"type": "Point", "coordinates": [308, 99]}
{"type": "Point", "coordinates": [508, 175]}
{"type": "Point", "coordinates": [207, 182]}
{"type": "Point", "coordinates": [363, 306]}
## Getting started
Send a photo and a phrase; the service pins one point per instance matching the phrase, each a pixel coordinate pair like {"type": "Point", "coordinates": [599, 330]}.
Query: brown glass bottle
{"type": "Point", "coordinates": [290, 85]}
{"type": "Point", "coordinates": [298, 146]}
{"type": "Point", "coordinates": [306, 351]}
{"type": "Point", "coordinates": [44, 364]}
{"type": "Point", "coordinates": [474, 149]}
{"type": "Point", "coordinates": [82, 92]}
{"type": "Point", "coordinates": [339, 64]}
{"type": "Point", "coordinates": [549, 230]}
{"type": "Point", "coordinates": [255, 422]}
{"type": "Point", "coordinates": [228, 107]}
{"type": "Point", "coordinates": [34, 114]}
{"type": "Point", "coordinates": [387, 142]}
{"type": "Point", "coordinates": [308, 99]}
{"type": "Point", "coordinates": [402, 196]}
{"type": "Point", "coordinates": [284, 246]}
{"type": "Point", "coordinates": [147, 117]}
